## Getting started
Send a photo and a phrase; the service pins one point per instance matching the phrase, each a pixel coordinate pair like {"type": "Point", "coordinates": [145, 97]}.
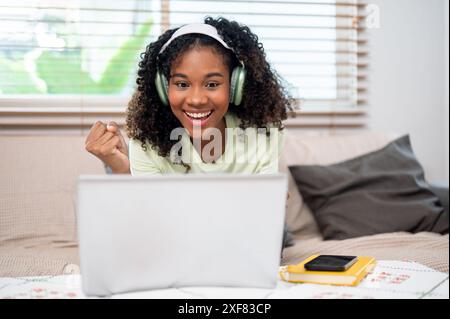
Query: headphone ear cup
{"type": "Point", "coordinates": [233, 85]}
{"type": "Point", "coordinates": [237, 85]}
{"type": "Point", "coordinates": [162, 88]}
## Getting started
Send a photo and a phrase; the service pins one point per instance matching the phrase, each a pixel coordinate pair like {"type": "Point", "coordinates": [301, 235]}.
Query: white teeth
{"type": "Point", "coordinates": [199, 115]}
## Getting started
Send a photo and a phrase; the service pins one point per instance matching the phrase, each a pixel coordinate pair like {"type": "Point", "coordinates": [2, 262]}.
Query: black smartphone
{"type": "Point", "coordinates": [331, 263]}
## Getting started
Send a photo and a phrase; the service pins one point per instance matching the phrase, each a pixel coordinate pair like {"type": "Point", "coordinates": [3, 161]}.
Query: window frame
{"type": "Point", "coordinates": [82, 110]}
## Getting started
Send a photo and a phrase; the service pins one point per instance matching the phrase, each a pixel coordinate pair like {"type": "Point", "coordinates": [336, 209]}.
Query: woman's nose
{"type": "Point", "coordinates": [197, 97]}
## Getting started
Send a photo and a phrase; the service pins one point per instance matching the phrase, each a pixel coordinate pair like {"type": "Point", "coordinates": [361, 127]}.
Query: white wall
{"type": "Point", "coordinates": [407, 79]}
{"type": "Point", "coordinates": [446, 106]}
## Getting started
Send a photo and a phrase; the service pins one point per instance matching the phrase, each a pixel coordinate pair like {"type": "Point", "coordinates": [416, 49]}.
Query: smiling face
{"type": "Point", "coordinates": [199, 89]}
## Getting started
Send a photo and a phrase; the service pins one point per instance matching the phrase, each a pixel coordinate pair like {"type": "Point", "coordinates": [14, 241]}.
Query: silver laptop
{"type": "Point", "coordinates": [142, 233]}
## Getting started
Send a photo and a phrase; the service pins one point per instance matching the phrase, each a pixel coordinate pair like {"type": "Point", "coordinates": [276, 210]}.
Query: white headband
{"type": "Point", "coordinates": [205, 29]}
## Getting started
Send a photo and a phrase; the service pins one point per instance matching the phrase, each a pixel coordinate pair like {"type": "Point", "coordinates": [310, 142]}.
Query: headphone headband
{"type": "Point", "coordinates": [200, 28]}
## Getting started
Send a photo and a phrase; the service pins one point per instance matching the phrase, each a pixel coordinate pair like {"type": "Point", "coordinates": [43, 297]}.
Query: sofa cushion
{"type": "Point", "coordinates": [380, 192]}
{"type": "Point", "coordinates": [429, 249]}
{"type": "Point", "coordinates": [38, 189]}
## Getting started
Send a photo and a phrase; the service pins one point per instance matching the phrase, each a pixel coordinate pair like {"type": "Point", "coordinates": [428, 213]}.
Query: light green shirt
{"type": "Point", "coordinates": [249, 152]}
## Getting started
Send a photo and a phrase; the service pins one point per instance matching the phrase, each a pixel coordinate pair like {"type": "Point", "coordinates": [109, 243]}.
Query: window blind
{"type": "Point", "coordinates": [73, 47]}
{"type": "Point", "coordinates": [64, 53]}
{"type": "Point", "coordinates": [317, 46]}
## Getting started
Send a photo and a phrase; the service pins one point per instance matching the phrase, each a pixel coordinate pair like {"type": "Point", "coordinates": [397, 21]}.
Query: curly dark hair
{"type": "Point", "coordinates": [265, 100]}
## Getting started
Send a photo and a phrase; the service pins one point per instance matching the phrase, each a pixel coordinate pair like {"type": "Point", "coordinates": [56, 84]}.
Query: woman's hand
{"type": "Point", "coordinates": [107, 143]}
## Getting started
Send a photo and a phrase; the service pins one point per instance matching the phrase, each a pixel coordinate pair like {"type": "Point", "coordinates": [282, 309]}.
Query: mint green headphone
{"type": "Point", "coordinates": [237, 77]}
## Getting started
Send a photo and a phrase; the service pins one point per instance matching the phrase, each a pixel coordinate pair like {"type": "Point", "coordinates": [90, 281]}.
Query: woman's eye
{"type": "Point", "coordinates": [181, 85]}
{"type": "Point", "coordinates": [212, 85]}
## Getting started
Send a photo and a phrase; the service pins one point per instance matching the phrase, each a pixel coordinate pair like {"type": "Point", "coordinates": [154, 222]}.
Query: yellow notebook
{"type": "Point", "coordinates": [351, 277]}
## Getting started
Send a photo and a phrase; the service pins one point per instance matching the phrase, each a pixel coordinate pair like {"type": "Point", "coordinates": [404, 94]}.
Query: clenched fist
{"type": "Point", "coordinates": [106, 142]}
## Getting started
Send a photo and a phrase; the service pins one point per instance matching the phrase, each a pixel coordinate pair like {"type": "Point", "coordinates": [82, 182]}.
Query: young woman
{"type": "Point", "coordinates": [211, 80]}
{"type": "Point", "coordinates": [201, 91]}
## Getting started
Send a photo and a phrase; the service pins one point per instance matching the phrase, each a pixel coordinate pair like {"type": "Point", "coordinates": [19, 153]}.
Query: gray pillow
{"type": "Point", "coordinates": [442, 193]}
{"type": "Point", "coordinates": [380, 192]}
{"type": "Point", "coordinates": [288, 240]}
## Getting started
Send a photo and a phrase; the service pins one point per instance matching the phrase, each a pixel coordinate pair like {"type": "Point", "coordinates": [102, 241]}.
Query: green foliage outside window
{"type": "Point", "coordinates": [72, 79]}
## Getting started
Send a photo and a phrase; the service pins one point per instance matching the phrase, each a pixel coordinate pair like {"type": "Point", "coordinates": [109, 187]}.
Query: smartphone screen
{"type": "Point", "coordinates": [331, 263]}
